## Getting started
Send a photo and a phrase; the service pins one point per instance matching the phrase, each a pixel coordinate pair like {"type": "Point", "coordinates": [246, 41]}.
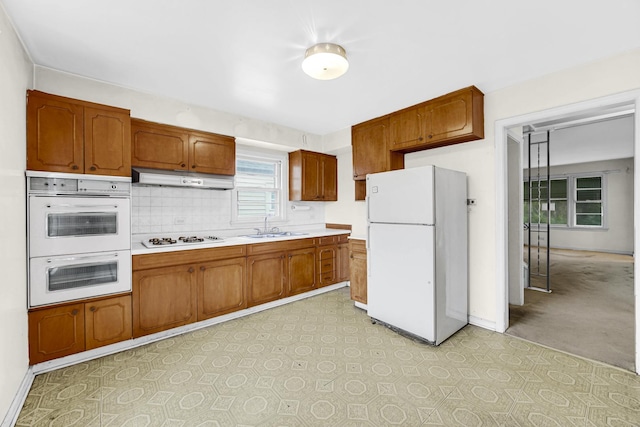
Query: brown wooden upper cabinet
{"type": "Point", "coordinates": [450, 119]}
{"type": "Point", "coordinates": [313, 176]}
{"type": "Point", "coordinates": [73, 136]}
{"type": "Point", "coordinates": [370, 149]}
{"type": "Point", "coordinates": [160, 146]}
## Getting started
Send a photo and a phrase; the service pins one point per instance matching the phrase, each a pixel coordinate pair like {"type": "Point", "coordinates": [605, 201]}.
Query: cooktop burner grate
{"type": "Point", "coordinates": [184, 240]}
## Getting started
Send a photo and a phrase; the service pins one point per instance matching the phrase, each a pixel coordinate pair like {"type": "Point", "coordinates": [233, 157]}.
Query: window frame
{"type": "Point", "coordinates": [571, 179]}
{"type": "Point", "coordinates": [282, 183]}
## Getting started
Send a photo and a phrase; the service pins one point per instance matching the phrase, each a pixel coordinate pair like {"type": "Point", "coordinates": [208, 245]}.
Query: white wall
{"type": "Point", "coordinates": [173, 112]}
{"type": "Point", "coordinates": [617, 237]}
{"type": "Point", "coordinates": [477, 159]}
{"type": "Point", "coordinates": [15, 78]}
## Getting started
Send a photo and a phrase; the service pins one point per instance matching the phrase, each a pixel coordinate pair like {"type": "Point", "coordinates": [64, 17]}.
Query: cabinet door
{"type": "Point", "coordinates": [266, 276]}
{"type": "Point", "coordinates": [56, 332]}
{"type": "Point", "coordinates": [107, 321]}
{"type": "Point", "coordinates": [329, 186]}
{"type": "Point", "coordinates": [410, 127]}
{"type": "Point", "coordinates": [311, 176]}
{"type": "Point", "coordinates": [209, 153]}
{"type": "Point", "coordinates": [54, 134]}
{"type": "Point", "coordinates": [358, 271]}
{"type": "Point", "coordinates": [327, 265]}
{"type": "Point", "coordinates": [342, 258]}
{"type": "Point", "coordinates": [301, 271]}
{"type": "Point", "coordinates": [107, 142]}
{"type": "Point", "coordinates": [159, 146]}
{"type": "Point", "coordinates": [370, 147]}
{"type": "Point", "coordinates": [221, 287]}
{"type": "Point", "coordinates": [452, 116]}
{"type": "Point", "coordinates": [163, 298]}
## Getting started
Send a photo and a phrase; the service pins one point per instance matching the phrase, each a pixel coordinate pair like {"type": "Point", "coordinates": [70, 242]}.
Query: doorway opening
{"type": "Point", "coordinates": [591, 268]}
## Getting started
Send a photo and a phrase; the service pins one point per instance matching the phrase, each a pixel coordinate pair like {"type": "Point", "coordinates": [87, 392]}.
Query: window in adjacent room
{"type": "Point", "coordinates": [576, 201]}
{"type": "Point", "coordinates": [558, 202]}
{"type": "Point", "coordinates": [588, 201]}
{"type": "Point", "coordinates": [259, 188]}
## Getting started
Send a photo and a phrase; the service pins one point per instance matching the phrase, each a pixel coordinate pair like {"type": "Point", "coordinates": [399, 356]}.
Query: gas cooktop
{"type": "Point", "coordinates": [180, 241]}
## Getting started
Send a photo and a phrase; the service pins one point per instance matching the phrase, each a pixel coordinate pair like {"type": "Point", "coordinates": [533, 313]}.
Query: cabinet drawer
{"type": "Point", "coordinates": [326, 265]}
{"type": "Point", "coordinates": [146, 261]}
{"type": "Point", "coordinates": [327, 240]}
{"type": "Point", "coordinates": [287, 245]}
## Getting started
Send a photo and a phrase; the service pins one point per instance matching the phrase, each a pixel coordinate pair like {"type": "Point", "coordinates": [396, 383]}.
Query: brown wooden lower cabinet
{"type": "Point", "coordinates": [327, 265]}
{"type": "Point", "coordinates": [71, 328]}
{"type": "Point", "coordinates": [333, 260]}
{"type": "Point", "coordinates": [342, 258]}
{"type": "Point", "coordinates": [163, 298]}
{"type": "Point", "coordinates": [266, 277]}
{"type": "Point", "coordinates": [301, 270]}
{"type": "Point", "coordinates": [107, 321]}
{"type": "Point", "coordinates": [358, 267]}
{"type": "Point", "coordinates": [222, 287]}
{"type": "Point", "coordinates": [56, 332]}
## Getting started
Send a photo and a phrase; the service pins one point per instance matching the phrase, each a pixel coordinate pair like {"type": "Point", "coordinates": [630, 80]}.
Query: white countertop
{"type": "Point", "coordinates": [137, 248]}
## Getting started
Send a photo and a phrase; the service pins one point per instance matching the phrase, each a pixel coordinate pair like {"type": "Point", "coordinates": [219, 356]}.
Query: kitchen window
{"type": "Point", "coordinates": [259, 190]}
{"type": "Point", "coordinates": [583, 209]}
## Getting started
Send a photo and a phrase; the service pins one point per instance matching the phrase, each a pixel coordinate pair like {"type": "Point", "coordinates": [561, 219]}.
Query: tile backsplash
{"type": "Point", "coordinates": [171, 209]}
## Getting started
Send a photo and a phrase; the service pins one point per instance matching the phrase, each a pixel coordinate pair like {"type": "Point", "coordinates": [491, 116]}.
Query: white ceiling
{"type": "Point", "coordinates": [244, 56]}
{"type": "Point", "coordinates": [590, 142]}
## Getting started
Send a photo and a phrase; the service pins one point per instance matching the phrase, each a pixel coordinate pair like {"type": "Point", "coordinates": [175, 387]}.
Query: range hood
{"type": "Point", "coordinates": [181, 179]}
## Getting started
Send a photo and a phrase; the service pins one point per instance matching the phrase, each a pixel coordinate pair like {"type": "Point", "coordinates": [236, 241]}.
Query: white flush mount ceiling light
{"type": "Point", "coordinates": [325, 61]}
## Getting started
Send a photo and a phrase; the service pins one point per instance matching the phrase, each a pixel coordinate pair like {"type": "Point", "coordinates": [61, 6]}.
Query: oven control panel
{"type": "Point", "coordinates": [71, 186]}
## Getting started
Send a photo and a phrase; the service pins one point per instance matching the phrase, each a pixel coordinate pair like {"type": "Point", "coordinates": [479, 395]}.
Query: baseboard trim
{"type": "Point", "coordinates": [18, 401]}
{"type": "Point", "coordinates": [482, 323]}
{"type": "Point", "coordinates": [85, 356]}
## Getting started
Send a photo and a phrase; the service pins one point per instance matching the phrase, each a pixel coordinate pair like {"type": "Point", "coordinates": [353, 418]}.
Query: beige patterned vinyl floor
{"type": "Point", "coordinates": [320, 362]}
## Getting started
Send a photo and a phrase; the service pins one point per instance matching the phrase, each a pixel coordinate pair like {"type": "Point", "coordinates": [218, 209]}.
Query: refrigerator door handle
{"type": "Point", "coordinates": [366, 199]}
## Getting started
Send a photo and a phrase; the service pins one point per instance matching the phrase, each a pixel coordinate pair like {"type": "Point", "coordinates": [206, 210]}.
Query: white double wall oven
{"type": "Point", "coordinates": [79, 234]}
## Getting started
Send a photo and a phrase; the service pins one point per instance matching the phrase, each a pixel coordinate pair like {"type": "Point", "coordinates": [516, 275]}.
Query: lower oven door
{"type": "Point", "coordinates": [66, 278]}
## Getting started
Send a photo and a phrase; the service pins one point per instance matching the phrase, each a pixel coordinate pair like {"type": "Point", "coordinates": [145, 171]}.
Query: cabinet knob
{"type": "Point", "coordinates": [355, 175]}
{"type": "Point", "coordinates": [430, 136]}
{"type": "Point", "coordinates": [74, 167]}
{"type": "Point", "coordinates": [202, 268]}
{"type": "Point", "coordinates": [351, 256]}
{"type": "Point", "coordinates": [193, 166]}
{"type": "Point", "coordinates": [191, 270]}
{"type": "Point", "coordinates": [92, 308]}
{"type": "Point", "coordinates": [92, 168]}
{"type": "Point", "coordinates": [281, 256]}
{"type": "Point", "coordinates": [74, 312]}
{"type": "Point", "coordinates": [290, 256]}
{"type": "Point", "coordinates": [183, 165]}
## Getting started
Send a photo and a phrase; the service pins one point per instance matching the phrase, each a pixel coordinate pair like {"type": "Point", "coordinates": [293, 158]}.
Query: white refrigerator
{"type": "Point", "coordinates": [417, 251]}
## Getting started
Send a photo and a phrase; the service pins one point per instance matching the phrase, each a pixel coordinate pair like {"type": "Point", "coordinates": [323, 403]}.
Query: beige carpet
{"type": "Point", "coordinates": [590, 311]}
{"type": "Point", "coordinates": [320, 362]}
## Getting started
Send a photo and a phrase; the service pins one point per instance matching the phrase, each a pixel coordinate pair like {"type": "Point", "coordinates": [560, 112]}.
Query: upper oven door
{"type": "Point", "coordinates": [72, 225]}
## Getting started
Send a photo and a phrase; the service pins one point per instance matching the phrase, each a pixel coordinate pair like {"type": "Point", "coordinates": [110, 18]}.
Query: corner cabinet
{"type": "Point", "coordinates": [370, 149]}
{"type": "Point", "coordinates": [67, 329]}
{"type": "Point", "coordinates": [160, 146]}
{"type": "Point", "coordinates": [313, 176]}
{"type": "Point", "coordinates": [73, 136]}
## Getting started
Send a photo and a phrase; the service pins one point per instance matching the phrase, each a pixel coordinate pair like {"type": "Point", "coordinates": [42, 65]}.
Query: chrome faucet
{"type": "Point", "coordinates": [266, 219]}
